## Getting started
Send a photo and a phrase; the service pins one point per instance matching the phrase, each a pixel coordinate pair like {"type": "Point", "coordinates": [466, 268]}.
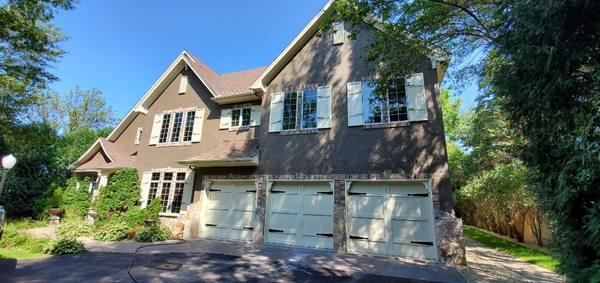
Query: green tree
{"type": "Point", "coordinates": [546, 69]}
{"type": "Point", "coordinates": [79, 110]}
{"type": "Point", "coordinates": [35, 170]}
{"type": "Point", "coordinates": [29, 43]}
{"type": "Point", "coordinates": [71, 145]}
{"type": "Point", "coordinates": [541, 62]}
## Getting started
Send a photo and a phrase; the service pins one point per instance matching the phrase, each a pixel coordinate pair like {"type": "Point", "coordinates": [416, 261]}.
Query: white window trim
{"type": "Point", "coordinates": [172, 124]}
{"type": "Point", "coordinates": [386, 115]}
{"type": "Point", "coordinates": [239, 125]}
{"type": "Point", "coordinates": [173, 182]}
{"type": "Point", "coordinates": [299, 109]}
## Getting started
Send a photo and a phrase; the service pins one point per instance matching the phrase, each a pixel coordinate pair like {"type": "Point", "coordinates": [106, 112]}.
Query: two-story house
{"type": "Point", "coordinates": [301, 152]}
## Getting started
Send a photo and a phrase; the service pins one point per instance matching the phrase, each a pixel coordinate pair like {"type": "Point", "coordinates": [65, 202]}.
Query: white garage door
{"type": "Point", "coordinates": [300, 214]}
{"type": "Point", "coordinates": [393, 218]}
{"type": "Point", "coordinates": [228, 209]}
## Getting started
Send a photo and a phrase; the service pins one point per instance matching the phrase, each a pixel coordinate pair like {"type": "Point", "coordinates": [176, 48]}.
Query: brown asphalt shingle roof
{"type": "Point", "coordinates": [228, 150]}
{"type": "Point", "coordinates": [228, 83]}
{"type": "Point", "coordinates": [98, 161]}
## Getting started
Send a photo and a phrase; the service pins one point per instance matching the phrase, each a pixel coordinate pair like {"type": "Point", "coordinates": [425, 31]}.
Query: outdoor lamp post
{"type": "Point", "coordinates": [8, 162]}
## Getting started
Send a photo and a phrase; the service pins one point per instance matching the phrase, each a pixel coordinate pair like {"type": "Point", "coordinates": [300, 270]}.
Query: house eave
{"type": "Point", "coordinates": [235, 98]}
{"type": "Point", "coordinates": [225, 162]}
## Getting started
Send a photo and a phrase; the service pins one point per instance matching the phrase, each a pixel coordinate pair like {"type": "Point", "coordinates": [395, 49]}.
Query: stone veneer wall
{"type": "Point", "coordinates": [448, 228]}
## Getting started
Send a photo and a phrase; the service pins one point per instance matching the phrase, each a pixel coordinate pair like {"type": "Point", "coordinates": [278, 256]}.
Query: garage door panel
{"type": "Point", "coordinates": [241, 219]}
{"type": "Point", "coordinates": [365, 246]}
{"type": "Point", "coordinates": [370, 189]}
{"type": "Point", "coordinates": [219, 200]}
{"type": "Point", "coordinates": [366, 206]}
{"type": "Point", "coordinates": [410, 208]}
{"type": "Point", "coordinates": [245, 188]}
{"type": "Point", "coordinates": [282, 238]}
{"type": "Point", "coordinates": [406, 189]}
{"type": "Point", "coordinates": [244, 201]}
{"type": "Point", "coordinates": [286, 222]}
{"type": "Point", "coordinates": [286, 188]}
{"type": "Point", "coordinates": [215, 232]}
{"type": "Point", "coordinates": [317, 189]}
{"type": "Point", "coordinates": [317, 224]}
{"type": "Point", "coordinates": [318, 242]}
{"type": "Point", "coordinates": [218, 218]}
{"type": "Point", "coordinates": [408, 231]}
{"type": "Point", "coordinates": [285, 203]}
{"type": "Point", "coordinates": [317, 204]}
{"type": "Point", "coordinates": [369, 228]}
{"type": "Point", "coordinates": [414, 251]}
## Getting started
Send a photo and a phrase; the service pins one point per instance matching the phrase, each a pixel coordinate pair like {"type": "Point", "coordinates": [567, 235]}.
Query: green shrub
{"type": "Point", "coordinates": [112, 231]}
{"type": "Point", "coordinates": [67, 246]}
{"type": "Point", "coordinates": [77, 200]}
{"type": "Point", "coordinates": [57, 199]}
{"type": "Point", "coordinates": [153, 233]}
{"type": "Point", "coordinates": [73, 228]}
{"type": "Point", "coordinates": [120, 194]}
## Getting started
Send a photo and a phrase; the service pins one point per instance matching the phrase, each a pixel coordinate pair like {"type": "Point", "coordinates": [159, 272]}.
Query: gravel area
{"type": "Point", "coordinates": [488, 265]}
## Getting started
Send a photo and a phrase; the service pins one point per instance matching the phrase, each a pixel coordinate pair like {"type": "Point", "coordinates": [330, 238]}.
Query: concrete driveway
{"type": "Point", "coordinates": [219, 261]}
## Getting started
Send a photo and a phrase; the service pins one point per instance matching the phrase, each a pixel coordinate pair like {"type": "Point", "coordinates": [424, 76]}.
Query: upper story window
{"type": "Point", "coordinates": [177, 127]}
{"type": "Point", "coordinates": [404, 101]}
{"type": "Point", "coordinates": [289, 110]}
{"type": "Point", "coordinates": [300, 110]}
{"type": "Point", "coordinates": [240, 116]}
{"type": "Point", "coordinates": [189, 126]}
{"type": "Point", "coordinates": [388, 107]}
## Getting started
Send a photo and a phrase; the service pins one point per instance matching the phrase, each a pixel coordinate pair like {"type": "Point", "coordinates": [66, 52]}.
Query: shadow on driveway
{"type": "Point", "coordinates": [176, 267]}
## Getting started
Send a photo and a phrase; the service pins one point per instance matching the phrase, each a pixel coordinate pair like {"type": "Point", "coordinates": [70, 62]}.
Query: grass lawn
{"type": "Point", "coordinates": [529, 255]}
{"type": "Point", "coordinates": [19, 254]}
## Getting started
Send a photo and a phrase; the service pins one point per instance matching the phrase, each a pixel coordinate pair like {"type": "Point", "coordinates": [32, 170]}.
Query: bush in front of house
{"type": "Point", "coordinates": [77, 199]}
{"type": "Point", "coordinates": [121, 194]}
{"type": "Point", "coordinates": [73, 228]}
{"type": "Point", "coordinates": [112, 231]}
{"type": "Point", "coordinates": [153, 233]}
{"type": "Point", "coordinates": [67, 246]}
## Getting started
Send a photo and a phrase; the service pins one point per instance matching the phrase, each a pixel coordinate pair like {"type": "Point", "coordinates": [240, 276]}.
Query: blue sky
{"type": "Point", "coordinates": [122, 47]}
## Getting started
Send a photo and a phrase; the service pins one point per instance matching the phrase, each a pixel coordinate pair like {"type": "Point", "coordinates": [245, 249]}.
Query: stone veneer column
{"type": "Point", "coordinates": [339, 215]}
{"type": "Point", "coordinates": [261, 204]}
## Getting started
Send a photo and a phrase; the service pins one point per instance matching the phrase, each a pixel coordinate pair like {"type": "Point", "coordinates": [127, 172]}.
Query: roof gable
{"type": "Point", "coordinates": [219, 85]}
{"type": "Point", "coordinates": [290, 51]}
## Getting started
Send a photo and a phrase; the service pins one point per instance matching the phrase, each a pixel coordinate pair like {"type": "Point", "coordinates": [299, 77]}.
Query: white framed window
{"type": "Point", "coordinates": [240, 117]}
{"type": "Point", "coordinates": [384, 108]}
{"type": "Point", "coordinates": [304, 110]}
{"type": "Point", "coordinates": [181, 126]}
{"type": "Point", "coordinates": [169, 187]}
